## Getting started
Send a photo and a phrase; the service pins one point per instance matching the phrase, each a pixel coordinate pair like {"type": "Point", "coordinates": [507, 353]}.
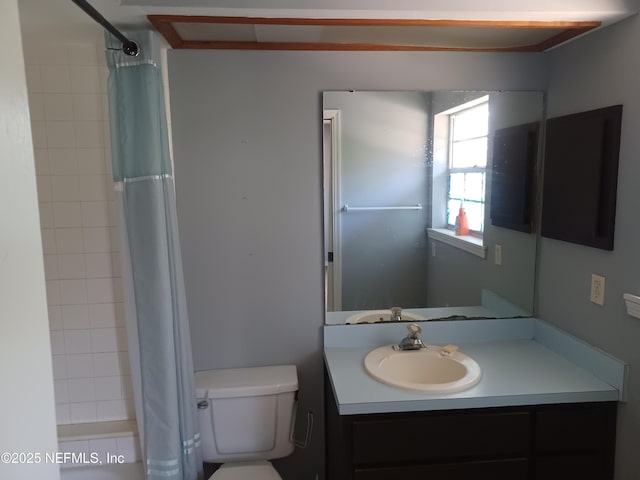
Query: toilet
{"type": "Point", "coordinates": [246, 417]}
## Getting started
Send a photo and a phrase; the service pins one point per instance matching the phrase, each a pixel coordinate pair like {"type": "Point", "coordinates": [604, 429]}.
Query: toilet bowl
{"type": "Point", "coordinates": [246, 418]}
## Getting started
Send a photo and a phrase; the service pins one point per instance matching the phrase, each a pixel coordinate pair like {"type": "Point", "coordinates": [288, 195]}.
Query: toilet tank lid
{"type": "Point", "coordinates": [246, 382]}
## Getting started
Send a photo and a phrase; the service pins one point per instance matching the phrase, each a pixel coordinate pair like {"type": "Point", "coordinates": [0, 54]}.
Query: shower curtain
{"type": "Point", "coordinates": [155, 304]}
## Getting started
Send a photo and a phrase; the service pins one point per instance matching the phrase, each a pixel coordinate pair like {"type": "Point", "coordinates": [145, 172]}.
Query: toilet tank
{"type": "Point", "coordinates": [246, 413]}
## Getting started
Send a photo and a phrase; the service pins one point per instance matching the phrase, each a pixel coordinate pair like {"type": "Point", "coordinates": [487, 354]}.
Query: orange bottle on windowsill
{"type": "Point", "coordinates": [462, 225]}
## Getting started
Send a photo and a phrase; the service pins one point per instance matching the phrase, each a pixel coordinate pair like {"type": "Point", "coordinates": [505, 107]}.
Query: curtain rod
{"type": "Point", "coordinates": [129, 47]}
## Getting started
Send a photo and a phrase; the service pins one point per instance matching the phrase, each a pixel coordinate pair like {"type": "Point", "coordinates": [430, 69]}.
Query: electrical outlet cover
{"type": "Point", "coordinates": [597, 289]}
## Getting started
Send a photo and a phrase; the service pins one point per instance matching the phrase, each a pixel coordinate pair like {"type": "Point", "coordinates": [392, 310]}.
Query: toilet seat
{"type": "Point", "coordinates": [260, 470]}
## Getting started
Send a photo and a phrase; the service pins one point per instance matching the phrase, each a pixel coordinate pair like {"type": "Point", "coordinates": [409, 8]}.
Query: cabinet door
{"type": "Point", "coordinates": [576, 442]}
{"type": "Point", "coordinates": [580, 428]}
{"type": "Point", "coordinates": [583, 467]}
{"type": "Point", "coordinates": [580, 177]}
{"type": "Point", "coordinates": [512, 469]}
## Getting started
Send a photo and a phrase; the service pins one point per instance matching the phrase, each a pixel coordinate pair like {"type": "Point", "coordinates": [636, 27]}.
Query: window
{"type": "Point", "coordinates": [468, 129]}
{"type": "Point", "coordinates": [459, 168]}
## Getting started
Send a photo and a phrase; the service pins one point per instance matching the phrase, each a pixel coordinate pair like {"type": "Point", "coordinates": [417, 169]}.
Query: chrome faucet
{"type": "Point", "coordinates": [411, 341]}
{"type": "Point", "coordinates": [396, 314]}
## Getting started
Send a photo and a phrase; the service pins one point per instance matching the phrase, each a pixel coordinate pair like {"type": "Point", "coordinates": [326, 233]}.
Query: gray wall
{"type": "Point", "coordinates": [247, 139]}
{"type": "Point", "coordinates": [602, 69]}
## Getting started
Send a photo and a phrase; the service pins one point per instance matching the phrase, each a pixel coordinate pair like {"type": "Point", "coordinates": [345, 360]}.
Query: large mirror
{"type": "Point", "coordinates": [430, 203]}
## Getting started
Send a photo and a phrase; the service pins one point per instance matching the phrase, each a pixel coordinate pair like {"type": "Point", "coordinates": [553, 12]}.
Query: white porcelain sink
{"type": "Point", "coordinates": [433, 369]}
{"type": "Point", "coordinates": [376, 316]}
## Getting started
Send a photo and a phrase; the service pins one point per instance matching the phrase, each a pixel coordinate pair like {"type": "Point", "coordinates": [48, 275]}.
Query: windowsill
{"type": "Point", "coordinates": [468, 243]}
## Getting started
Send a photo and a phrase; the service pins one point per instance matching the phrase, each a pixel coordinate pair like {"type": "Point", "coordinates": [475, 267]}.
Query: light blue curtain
{"type": "Point", "coordinates": [155, 303]}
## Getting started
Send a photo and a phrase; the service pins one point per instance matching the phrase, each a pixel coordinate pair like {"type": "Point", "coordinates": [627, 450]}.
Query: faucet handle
{"type": "Point", "coordinates": [414, 330]}
{"type": "Point", "coordinates": [396, 313]}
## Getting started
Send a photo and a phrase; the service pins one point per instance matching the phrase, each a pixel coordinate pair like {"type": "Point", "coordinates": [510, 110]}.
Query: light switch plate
{"type": "Point", "coordinates": [498, 254]}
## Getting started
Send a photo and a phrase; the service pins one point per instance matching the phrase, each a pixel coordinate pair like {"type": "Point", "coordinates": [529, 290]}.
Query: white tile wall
{"type": "Point", "coordinates": [67, 99]}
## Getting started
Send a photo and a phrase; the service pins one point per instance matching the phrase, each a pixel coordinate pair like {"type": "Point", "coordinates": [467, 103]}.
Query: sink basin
{"type": "Point", "coordinates": [376, 316]}
{"type": "Point", "coordinates": [433, 369]}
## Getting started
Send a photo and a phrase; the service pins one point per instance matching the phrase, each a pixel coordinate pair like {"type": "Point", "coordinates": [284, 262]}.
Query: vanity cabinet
{"type": "Point", "coordinates": [535, 442]}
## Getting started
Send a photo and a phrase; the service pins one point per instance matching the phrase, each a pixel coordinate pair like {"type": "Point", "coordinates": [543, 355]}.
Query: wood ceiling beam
{"type": "Point", "coordinates": [164, 25]}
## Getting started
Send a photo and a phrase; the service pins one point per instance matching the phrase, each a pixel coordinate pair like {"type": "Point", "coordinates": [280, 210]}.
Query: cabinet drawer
{"type": "Point", "coordinates": [586, 428]}
{"type": "Point", "coordinates": [512, 469]}
{"type": "Point", "coordinates": [440, 436]}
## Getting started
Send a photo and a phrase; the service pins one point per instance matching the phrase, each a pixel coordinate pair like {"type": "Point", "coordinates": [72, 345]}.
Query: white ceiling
{"type": "Point", "coordinates": [64, 21]}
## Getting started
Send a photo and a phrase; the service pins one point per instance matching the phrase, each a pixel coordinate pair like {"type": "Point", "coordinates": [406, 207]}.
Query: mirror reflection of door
{"type": "Point", "coordinates": [332, 250]}
{"type": "Point", "coordinates": [377, 220]}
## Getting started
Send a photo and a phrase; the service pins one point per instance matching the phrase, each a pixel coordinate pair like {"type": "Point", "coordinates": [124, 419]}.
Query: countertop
{"type": "Point", "coordinates": [492, 306]}
{"type": "Point", "coordinates": [521, 367]}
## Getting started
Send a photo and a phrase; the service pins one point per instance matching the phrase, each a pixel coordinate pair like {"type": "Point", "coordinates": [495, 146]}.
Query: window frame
{"type": "Point", "coordinates": [452, 114]}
